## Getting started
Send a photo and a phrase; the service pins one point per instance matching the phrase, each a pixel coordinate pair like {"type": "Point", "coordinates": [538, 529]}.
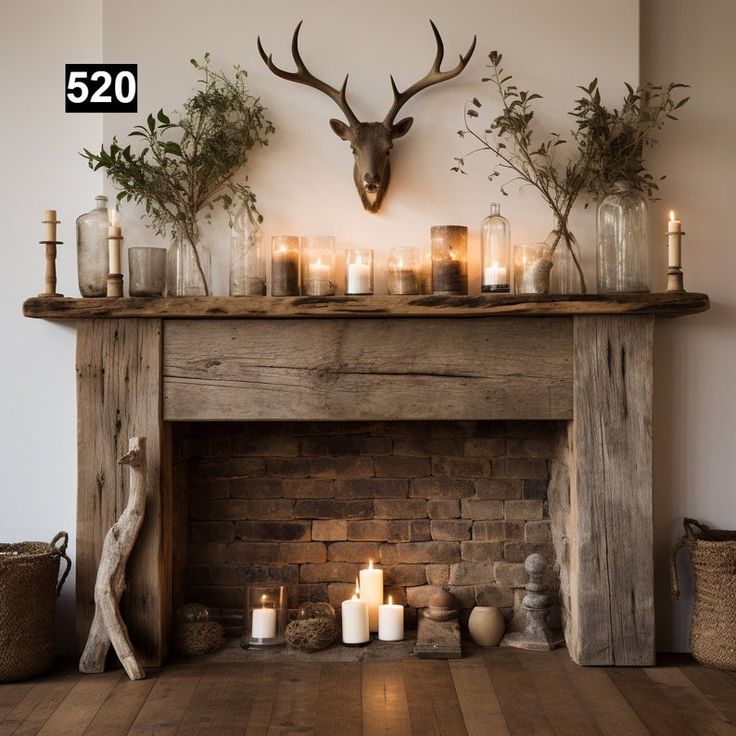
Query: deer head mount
{"type": "Point", "coordinates": [371, 143]}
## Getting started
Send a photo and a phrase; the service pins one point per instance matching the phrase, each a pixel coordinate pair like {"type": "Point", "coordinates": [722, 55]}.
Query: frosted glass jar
{"type": "Point", "coordinates": [93, 250]}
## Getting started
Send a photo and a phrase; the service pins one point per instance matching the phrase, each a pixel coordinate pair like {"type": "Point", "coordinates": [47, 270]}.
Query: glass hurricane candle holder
{"type": "Point", "coordinates": [402, 271]}
{"type": "Point", "coordinates": [247, 261]}
{"type": "Point", "coordinates": [265, 616]}
{"type": "Point", "coordinates": [285, 265]}
{"type": "Point", "coordinates": [531, 269]}
{"type": "Point", "coordinates": [359, 272]}
{"type": "Point", "coordinates": [147, 271]}
{"type": "Point", "coordinates": [495, 240]}
{"type": "Point", "coordinates": [318, 265]}
{"type": "Point", "coordinates": [449, 259]}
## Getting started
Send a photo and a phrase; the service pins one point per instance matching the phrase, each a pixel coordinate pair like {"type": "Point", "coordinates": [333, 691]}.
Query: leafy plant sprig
{"type": "Point", "coordinates": [187, 159]}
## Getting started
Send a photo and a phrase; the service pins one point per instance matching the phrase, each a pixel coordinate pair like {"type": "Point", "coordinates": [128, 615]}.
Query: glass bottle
{"type": "Point", "coordinates": [623, 241]}
{"type": "Point", "coordinates": [247, 261]}
{"type": "Point", "coordinates": [495, 243]}
{"type": "Point", "coordinates": [189, 268]}
{"type": "Point", "coordinates": [92, 249]}
{"type": "Point", "coordinates": [565, 277]}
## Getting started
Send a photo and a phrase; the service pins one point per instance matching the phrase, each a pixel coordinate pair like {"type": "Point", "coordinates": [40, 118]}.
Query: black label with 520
{"type": "Point", "coordinates": [101, 87]}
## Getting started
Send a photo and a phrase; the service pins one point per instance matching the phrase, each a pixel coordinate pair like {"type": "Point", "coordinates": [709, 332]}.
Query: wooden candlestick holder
{"type": "Point", "coordinates": [114, 284]}
{"type": "Point", "coordinates": [675, 281]}
{"type": "Point", "coordinates": [49, 278]}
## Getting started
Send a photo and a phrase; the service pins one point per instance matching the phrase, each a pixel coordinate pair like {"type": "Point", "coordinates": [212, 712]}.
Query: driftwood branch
{"type": "Point", "coordinates": [108, 626]}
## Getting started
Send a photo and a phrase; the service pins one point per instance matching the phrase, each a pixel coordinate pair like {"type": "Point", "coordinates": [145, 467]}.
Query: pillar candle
{"type": "Point", "coordinates": [390, 621]}
{"type": "Point", "coordinates": [371, 591]}
{"type": "Point", "coordinates": [263, 623]}
{"type": "Point", "coordinates": [355, 620]}
{"type": "Point", "coordinates": [49, 226]}
{"type": "Point", "coordinates": [285, 265]}
{"type": "Point", "coordinates": [359, 278]}
{"type": "Point", "coordinates": [114, 235]}
{"type": "Point", "coordinates": [674, 242]}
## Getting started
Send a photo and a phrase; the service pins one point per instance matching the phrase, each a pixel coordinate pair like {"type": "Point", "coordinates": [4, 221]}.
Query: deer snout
{"type": "Point", "coordinates": [370, 182]}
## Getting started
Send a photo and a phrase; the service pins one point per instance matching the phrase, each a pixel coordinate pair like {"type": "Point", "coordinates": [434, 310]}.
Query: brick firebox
{"type": "Point", "coordinates": [453, 504]}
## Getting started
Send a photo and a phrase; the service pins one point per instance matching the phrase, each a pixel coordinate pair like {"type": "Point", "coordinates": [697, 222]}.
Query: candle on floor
{"type": "Point", "coordinates": [371, 591]}
{"type": "Point", "coordinates": [114, 236]}
{"type": "Point", "coordinates": [674, 242]}
{"type": "Point", "coordinates": [355, 619]}
{"type": "Point", "coordinates": [263, 624]}
{"type": "Point", "coordinates": [390, 621]}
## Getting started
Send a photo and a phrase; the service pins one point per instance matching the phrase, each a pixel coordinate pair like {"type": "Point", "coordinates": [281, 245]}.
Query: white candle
{"type": "Point", "coordinates": [263, 623]}
{"type": "Point", "coordinates": [355, 620]}
{"type": "Point", "coordinates": [114, 235]}
{"type": "Point", "coordinates": [674, 242]}
{"type": "Point", "coordinates": [371, 591]}
{"type": "Point", "coordinates": [390, 621]}
{"type": "Point", "coordinates": [319, 270]}
{"type": "Point", "coordinates": [494, 275]}
{"type": "Point", "coordinates": [359, 277]}
{"type": "Point", "coordinates": [49, 226]}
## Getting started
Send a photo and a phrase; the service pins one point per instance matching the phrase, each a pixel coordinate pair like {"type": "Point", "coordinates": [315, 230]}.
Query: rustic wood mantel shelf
{"type": "Point", "coordinates": [667, 304]}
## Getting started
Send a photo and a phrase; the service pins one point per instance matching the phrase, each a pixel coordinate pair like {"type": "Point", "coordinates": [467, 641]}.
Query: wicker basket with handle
{"type": "Point", "coordinates": [28, 590]}
{"type": "Point", "coordinates": [713, 627]}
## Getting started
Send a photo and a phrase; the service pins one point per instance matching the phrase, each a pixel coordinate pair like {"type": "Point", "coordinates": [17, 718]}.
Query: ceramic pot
{"type": "Point", "coordinates": [486, 626]}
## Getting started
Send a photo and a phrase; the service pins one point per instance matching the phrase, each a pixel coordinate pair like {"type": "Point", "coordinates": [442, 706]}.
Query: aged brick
{"type": "Point", "coordinates": [232, 467]}
{"type": "Point", "coordinates": [443, 508]}
{"type": "Point", "coordinates": [308, 488]}
{"type": "Point", "coordinates": [464, 594]}
{"type": "Point", "coordinates": [255, 488]}
{"type": "Point", "coordinates": [333, 509]}
{"type": "Point", "coordinates": [253, 552]}
{"type": "Point", "coordinates": [398, 595]}
{"type": "Point", "coordinates": [481, 551]}
{"type": "Point", "coordinates": [265, 445]}
{"type": "Point", "coordinates": [211, 531]}
{"type": "Point", "coordinates": [451, 529]}
{"type": "Point", "coordinates": [482, 510]}
{"type": "Point", "coordinates": [461, 467]}
{"type": "Point", "coordinates": [494, 595]}
{"type": "Point", "coordinates": [304, 593]}
{"type": "Point", "coordinates": [219, 488]}
{"type": "Point", "coordinates": [288, 574]}
{"type": "Point", "coordinates": [330, 530]}
{"type": "Point", "coordinates": [343, 444]}
{"type": "Point", "coordinates": [420, 445]}
{"type": "Point", "coordinates": [509, 467]}
{"type": "Point", "coordinates": [409, 530]}
{"type": "Point", "coordinates": [236, 509]}
{"type": "Point", "coordinates": [400, 508]}
{"type": "Point", "coordinates": [527, 430]}
{"type": "Point", "coordinates": [287, 531]}
{"type": "Point", "coordinates": [287, 467]}
{"type": "Point", "coordinates": [329, 572]}
{"type": "Point", "coordinates": [536, 447]}
{"type": "Point", "coordinates": [510, 574]}
{"type": "Point", "coordinates": [417, 552]}
{"type": "Point", "coordinates": [339, 592]}
{"type": "Point", "coordinates": [312, 446]}
{"type": "Point", "coordinates": [538, 531]}
{"type": "Point", "coordinates": [438, 487]}
{"type": "Point", "coordinates": [488, 447]}
{"type": "Point", "coordinates": [341, 467]}
{"type": "Point", "coordinates": [354, 552]}
{"type": "Point", "coordinates": [519, 551]}
{"type": "Point", "coordinates": [396, 466]}
{"type": "Point", "coordinates": [372, 488]}
{"type": "Point", "coordinates": [221, 447]}
{"type": "Point", "coordinates": [419, 596]}
{"type": "Point", "coordinates": [497, 489]}
{"type": "Point", "coordinates": [217, 596]}
{"type": "Point", "coordinates": [438, 574]}
{"type": "Point", "coordinates": [471, 573]}
{"type": "Point", "coordinates": [206, 552]}
{"type": "Point", "coordinates": [535, 489]}
{"type": "Point", "coordinates": [389, 554]}
{"type": "Point", "coordinates": [368, 530]}
{"type": "Point", "coordinates": [375, 445]}
{"type": "Point", "coordinates": [498, 531]}
{"type": "Point", "coordinates": [404, 575]}
{"type": "Point", "coordinates": [523, 510]}
{"type": "Point", "coordinates": [301, 552]}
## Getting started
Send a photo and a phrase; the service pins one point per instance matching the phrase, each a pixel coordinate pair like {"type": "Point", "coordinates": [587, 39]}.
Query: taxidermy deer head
{"type": "Point", "coordinates": [371, 143]}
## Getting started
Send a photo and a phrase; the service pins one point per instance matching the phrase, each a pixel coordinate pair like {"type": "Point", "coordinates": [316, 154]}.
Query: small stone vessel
{"type": "Point", "coordinates": [486, 626]}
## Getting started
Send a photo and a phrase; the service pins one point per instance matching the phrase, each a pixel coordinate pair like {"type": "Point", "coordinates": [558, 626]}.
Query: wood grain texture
{"type": "Point", "coordinates": [433, 704]}
{"type": "Point", "coordinates": [118, 713]}
{"type": "Point", "coordinates": [118, 396]}
{"type": "Point", "coordinates": [372, 369]}
{"type": "Point", "coordinates": [475, 693]}
{"type": "Point", "coordinates": [339, 706]}
{"type": "Point", "coordinates": [384, 704]}
{"type": "Point", "coordinates": [219, 307]}
{"type": "Point", "coordinates": [611, 614]}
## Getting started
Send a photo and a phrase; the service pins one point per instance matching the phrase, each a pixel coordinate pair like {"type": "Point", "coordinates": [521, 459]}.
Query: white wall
{"type": "Point", "coordinates": [695, 429]}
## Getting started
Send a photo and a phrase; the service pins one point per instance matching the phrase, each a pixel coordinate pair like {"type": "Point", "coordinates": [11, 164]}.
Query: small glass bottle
{"type": "Point", "coordinates": [623, 241]}
{"type": "Point", "coordinates": [247, 263]}
{"type": "Point", "coordinates": [318, 265]}
{"type": "Point", "coordinates": [92, 250]}
{"type": "Point", "coordinates": [495, 242]}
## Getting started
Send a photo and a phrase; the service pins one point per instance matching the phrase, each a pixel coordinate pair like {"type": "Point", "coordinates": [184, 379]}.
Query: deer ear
{"type": "Point", "coordinates": [342, 130]}
{"type": "Point", "coordinates": [401, 128]}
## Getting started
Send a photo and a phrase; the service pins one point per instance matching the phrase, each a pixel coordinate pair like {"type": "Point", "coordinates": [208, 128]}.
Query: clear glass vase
{"type": "Point", "coordinates": [495, 239]}
{"type": "Point", "coordinates": [189, 269]}
{"type": "Point", "coordinates": [93, 250]}
{"type": "Point", "coordinates": [247, 260]}
{"type": "Point", "coordinates": [624, 258]}
{"type": "Point", "coordinates": [566, 276]}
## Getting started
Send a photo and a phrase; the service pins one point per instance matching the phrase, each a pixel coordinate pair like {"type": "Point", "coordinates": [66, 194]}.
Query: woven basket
{"type": "Point", "coordinates": [713, 627]}
{"type": "Point", "coordinates": [28, 592]}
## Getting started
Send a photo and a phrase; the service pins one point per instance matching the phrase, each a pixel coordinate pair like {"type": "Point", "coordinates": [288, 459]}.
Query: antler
{"type": "Point", "coordinates": [433, 76]}
{"type": "Point", "coordinates": [303, 76]}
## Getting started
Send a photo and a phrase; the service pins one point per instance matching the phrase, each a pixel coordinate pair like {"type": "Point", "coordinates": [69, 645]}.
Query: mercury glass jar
{"type": "Point", "coordinates": [92, 249]}
{"type": "Point", "coordinates": [402, 272]}
{"type": "Point", "coordinates": [495, 244]}
{"type": "Point", "coordinates": [449, 259]}
{"type": "Point", "coordinates": [247, 260]}
{"type": "Point", "coordinates": [623, 241]}
{"type": "Point", "coordinates": [318, 265]}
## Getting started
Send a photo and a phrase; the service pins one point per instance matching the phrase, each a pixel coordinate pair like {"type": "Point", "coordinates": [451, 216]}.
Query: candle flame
{"type": "Point", "coordinates": [282, 249]}
{"type": "Point", "coordinates": [390, 600]}
{"type": "Point", "coordinates": [357, 589]}
{"type": "Point", "coordinates": [370, 564]}
{"type": "Point", "coordinates": [263, 600]}
{"type": "Point", "coordinates": [672, 215]}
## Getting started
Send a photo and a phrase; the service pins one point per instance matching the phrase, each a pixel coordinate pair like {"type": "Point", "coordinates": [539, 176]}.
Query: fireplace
{"type": "Point", "coordinates": [206, 379]}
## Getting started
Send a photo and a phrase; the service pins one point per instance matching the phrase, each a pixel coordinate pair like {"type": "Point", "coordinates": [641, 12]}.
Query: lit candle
{"type": "Point", "coordinates": [494, 275]}
{"type": "Point", "coordinates": [114, 236]}
{"type": "Point", "coordinates": [390, 621]}
{"type": "Point", "coordinates": [285, 265]}
{"type": "Point", "coordinates": [355, 619]}
{"type": "Point", "coordinates": [371, 587]}
{"type": "Point", "coordinates": [674, 241]}
{"type": "Point", "coordinates": [263, 623]}
{"type": "Point", "coordinates": [359, 277]}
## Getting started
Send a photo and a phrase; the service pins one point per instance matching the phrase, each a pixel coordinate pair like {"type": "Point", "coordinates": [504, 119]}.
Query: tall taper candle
{"type": "Point", "coordinates": [371, 591]}
{"type": "Point", "coordinates": [674, 242]}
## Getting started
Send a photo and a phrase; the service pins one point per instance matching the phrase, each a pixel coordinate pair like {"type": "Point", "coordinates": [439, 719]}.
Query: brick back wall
{"type": "Point", "coordinates": [436, 504]}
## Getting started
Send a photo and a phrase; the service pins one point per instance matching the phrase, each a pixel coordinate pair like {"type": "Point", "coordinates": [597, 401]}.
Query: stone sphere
{"type": "Point", "coordinates": [535, 564]}
{"type": "Point", "coordinates": [443, 599]}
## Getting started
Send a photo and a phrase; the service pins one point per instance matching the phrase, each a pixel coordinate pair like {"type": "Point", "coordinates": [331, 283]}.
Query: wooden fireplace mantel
{"type": "Point", "coordinates": [587, 362]}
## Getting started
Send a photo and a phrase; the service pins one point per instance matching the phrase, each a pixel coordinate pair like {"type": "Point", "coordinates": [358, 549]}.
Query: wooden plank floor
{"type": "Point", "coordinates": [498, 691]}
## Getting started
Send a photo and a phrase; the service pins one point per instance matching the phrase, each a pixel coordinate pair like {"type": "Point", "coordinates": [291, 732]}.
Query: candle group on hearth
{"type": "Point", "coordinates": [355, 619]}
{"type": "Point", "coordinates": [371, 591]}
